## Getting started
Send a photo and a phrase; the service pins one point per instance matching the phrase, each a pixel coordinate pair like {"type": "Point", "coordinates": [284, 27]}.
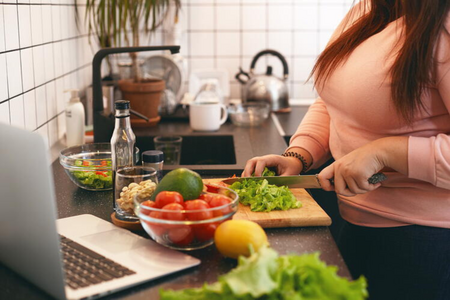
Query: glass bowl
{"type": "Point", "coordinates": [187, 229]}
{"type": "Point", "coordinates": [249, 114]}
{"type": "Point", "coordinates": [89, 165]}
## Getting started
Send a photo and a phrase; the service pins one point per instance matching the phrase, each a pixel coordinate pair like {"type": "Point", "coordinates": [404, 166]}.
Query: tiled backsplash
{"type": "Point", "coordinates": [42, 53]}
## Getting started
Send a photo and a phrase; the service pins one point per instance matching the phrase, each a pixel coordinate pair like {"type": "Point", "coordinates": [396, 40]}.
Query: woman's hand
{"type": "Point", "coordinates": [351, 172]}
{"type": "Point", "coordinates": [284, 165]}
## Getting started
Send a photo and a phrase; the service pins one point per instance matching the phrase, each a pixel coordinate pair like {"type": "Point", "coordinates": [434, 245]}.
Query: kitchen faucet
{"type": "Point", "coordinates": [104, 123]}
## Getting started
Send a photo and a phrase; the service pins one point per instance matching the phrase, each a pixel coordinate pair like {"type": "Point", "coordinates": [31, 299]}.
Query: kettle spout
{"type": "Point", "coordinates": [242, 76]}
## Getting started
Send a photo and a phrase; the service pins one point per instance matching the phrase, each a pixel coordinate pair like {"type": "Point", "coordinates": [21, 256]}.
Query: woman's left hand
{"type": "Point", "coordinates": [351, 172]}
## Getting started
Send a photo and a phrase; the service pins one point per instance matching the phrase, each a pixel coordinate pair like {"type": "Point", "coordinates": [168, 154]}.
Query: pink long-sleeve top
{"type": "Point", "coordinates": [355, 108]}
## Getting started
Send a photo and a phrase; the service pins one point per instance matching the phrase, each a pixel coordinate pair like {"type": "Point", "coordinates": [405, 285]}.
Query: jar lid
{"type": "Point", "coordinates": [152, 156]}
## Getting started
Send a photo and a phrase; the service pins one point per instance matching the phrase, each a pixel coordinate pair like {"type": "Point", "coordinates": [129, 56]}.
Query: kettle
{"type": "Point", "coordinates": [266, 87]}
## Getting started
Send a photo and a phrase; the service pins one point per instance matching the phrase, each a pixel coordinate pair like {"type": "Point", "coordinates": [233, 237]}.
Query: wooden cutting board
{"type": "Point", "coordinates": [310, 214]}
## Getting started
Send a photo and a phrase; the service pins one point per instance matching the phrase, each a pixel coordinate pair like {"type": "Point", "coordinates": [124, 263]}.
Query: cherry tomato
{"type": "Point", "coordinates": [103, 163]}
{"type": "Point", "coordinates": [102, 173]}
{"type": "Point", "coordinates": [207, 197]}
{"type": "Point", "coordinates": [145, 204]}
{"type": "Point", "coordinates": [167, 197]}
{"type": "Point", "coordinates": [220, 200]}
{"type": "Point", "coordinates": [175, 212]}
{"type": "Point", "coordinates": [205, 232]}
{"type": "Point", "coordinates": [86, 163]}
{"type": "Point", "coordinates": [201, 208]}
{"type": "Point", "coordinates": [181, 235]}
{"type": "Point", "coordinates": [156, 228]}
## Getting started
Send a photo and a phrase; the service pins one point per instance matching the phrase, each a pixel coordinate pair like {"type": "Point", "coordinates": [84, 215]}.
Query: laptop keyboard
{"type": "Point", "coordinates": [84, 267]}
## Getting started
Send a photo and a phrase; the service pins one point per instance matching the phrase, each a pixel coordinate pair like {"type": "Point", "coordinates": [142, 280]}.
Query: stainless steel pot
{"type": "Point", "coordinates": [266, 87]}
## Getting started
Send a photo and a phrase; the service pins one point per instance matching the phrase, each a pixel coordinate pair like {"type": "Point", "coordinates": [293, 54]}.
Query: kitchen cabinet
{"type": "Point", "coordinates": [72, 200]}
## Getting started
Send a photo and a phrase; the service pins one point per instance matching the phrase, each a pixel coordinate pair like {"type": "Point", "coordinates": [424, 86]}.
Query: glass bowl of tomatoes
{"type": "Point", "coordinates": [190, 224]}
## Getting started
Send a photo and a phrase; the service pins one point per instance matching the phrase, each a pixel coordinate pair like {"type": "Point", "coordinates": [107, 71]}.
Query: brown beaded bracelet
{"type": "Point", "coordinates": [299, 157]}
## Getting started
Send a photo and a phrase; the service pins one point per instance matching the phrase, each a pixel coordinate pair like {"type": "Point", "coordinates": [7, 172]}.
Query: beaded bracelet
{"type": "Point", "coordinates": [299, 157]}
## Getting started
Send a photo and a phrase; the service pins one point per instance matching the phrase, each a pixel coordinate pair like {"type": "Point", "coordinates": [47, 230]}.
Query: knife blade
{"type": "Point", "coordinates": [298, 181]}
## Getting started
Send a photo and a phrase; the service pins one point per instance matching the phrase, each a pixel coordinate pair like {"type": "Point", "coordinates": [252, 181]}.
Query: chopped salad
{"type": "Point", "coordinates": [97, 178]}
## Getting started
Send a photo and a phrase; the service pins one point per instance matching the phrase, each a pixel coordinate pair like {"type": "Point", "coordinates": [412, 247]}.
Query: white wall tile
{"type": "Point", "coordinates": [228, 17]}
{"type": "Point", "coordinates": [306, 17]}
{"type": "Point", "coordinates": [280, 17]}
{"type": "Point", "coordinates": [302, 68]}
{"type": "Point", "coordinates": [29, 100]}
{"type": "Point", "coordinates": [231, 65]}
{"type": "Point", "coordinates": [304, 91]}
{"type": "Point", "coordinates": [202, 17]}
{"type": "Point", "coordinates": [254, 17]}
{"type": "Point", "coordinates": [49, 64]}
{"type": "Point", "coordinates": [56, 22]}
{"type": "Point", "coordinates": [61, 126]}
{"type": "Point", "coordinates": [4, 113]}
{"type": "Point", "coordinates": [260, 67]}
{"type": "Point", "coordinates": [2, 30]}
{"type": "Point", "coordinates": [305, 43]}
{"type": "Point", "coordinates": [331, 16]}
{"type": "Point", "coordinates": [228, 44]}
{"type": "Point", "coordinates": [59, 95]}
{"type": "Point", "coordinates": [57, 53]}
{"type": "Point", "coordinates": [36, 24]}
{"type": "Point", "coordinates": [47, 31]}
{"type": "Point", "coordinates": [3, 78]}
{"type": "Point", "coordinates": [202, 44]}
{"type": "Point", "coordinates": [43, 131]}
{"type": "Point", "coordinates": [16, 108]}
{"type": "Point", "coordinates": [24, 25]}
{"type": "Point", "coordinates": [281, 42]}
{"type": "Point", "coordinates": [324, 38]}
{"type": "Point", "coordinates": [41, 105]}
{"type": "Point", "coordinates": [51, 100]}
{"type": "Point", "coordinates": [253, 42]}
{"type": "Point", "coordinates": [52, 132]}
{"type": "Point", "coordinates": [14, 73]}
{"type": "Point", "coordinates": [201, 63]}
{"type": "Point", "coordinates": [11, 27]}
{"type": "Point", "coordinates": [39, 65]}
{"type": "Point", "coordinates": [26, 56]}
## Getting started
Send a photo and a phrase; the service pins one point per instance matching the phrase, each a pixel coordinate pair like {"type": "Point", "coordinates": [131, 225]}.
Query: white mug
{"type": "Point", "coordinates": [207, 116]}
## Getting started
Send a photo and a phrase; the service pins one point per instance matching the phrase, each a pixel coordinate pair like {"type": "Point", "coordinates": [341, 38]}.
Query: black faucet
{"type": "Point", "coordinates": [103, 123]}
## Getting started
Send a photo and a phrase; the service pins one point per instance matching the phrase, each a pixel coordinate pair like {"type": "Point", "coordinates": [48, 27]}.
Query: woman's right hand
{"type": "Point", "coordinates": [284, 165]}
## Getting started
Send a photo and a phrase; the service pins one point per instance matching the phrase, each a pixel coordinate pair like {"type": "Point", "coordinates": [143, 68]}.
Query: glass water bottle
{"type": "Point", "coordinates": [123, 138]}
{"type": "Point", "coordinates": [122, 155]}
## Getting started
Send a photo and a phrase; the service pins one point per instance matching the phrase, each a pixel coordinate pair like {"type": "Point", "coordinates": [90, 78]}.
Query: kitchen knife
{"type": "Point", "coordinates": [298, 181]}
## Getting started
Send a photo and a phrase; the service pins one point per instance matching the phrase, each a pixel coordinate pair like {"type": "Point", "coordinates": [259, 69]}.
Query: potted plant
{"type": "Point", "coordinates": [115, 23]}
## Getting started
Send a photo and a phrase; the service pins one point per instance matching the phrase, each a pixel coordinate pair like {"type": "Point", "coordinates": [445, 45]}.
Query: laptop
{"type": "Point", "coordinates": [32, 239]}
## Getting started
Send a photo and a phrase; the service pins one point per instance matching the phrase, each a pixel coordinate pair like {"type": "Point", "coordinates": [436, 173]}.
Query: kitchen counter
{"type": "Point", "coordinates": [73, 201]}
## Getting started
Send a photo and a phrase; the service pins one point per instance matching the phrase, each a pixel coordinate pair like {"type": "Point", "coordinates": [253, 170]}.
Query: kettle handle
{"type": "Point", "coordinates": [240, 74]}
{"type": "Point", "coordinates": [274, 53]}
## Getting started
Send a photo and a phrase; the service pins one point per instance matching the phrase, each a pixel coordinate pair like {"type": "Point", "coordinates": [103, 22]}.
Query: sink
{"type": "Point", "coordinates": [199, 149]}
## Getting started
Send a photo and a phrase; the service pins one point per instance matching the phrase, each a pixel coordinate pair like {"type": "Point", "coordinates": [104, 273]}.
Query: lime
{"type": "Point", "coordinates": [184, 181]}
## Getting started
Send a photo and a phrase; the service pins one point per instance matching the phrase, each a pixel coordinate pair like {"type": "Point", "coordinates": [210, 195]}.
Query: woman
{"type": "Point", "coordinates": [384, 86]}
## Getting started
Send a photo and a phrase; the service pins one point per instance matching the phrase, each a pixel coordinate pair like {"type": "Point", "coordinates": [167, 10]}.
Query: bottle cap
{"type": "Point", "coordinates": [152, 156]}
{"type": "Point", "coordinates": [122, 104]}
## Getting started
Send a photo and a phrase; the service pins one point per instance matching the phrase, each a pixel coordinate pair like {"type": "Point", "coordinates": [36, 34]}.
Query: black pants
{"type": "Point", "coordinates": [410, 262]}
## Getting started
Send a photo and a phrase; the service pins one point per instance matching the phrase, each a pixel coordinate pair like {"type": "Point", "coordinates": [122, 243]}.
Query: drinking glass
{"type": "Point", "coordinates": [130, 181]}
{"type": "Point", "coordinates": [171, 147]}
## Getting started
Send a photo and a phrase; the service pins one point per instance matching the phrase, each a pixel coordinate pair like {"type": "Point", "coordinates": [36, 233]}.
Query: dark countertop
{"type": "Point", "coordinates": [73, 201]}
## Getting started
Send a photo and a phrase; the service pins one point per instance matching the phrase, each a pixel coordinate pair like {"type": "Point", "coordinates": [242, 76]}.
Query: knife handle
{"type": "Point", "coordinates": [375, 178]}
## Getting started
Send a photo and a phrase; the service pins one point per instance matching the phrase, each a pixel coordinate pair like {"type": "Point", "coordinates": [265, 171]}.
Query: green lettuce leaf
{"type": "Point", "coordinates": [266, 276]}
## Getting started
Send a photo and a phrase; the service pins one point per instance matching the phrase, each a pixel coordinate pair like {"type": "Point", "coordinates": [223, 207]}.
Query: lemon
{"type": "Point", "coordinates": [233, 237]}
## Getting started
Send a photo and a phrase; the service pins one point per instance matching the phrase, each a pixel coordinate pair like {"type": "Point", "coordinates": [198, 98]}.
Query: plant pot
{"type": "Point", "coordinates": [144, 98]}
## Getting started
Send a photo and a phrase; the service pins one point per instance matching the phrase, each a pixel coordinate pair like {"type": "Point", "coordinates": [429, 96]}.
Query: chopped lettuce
{"type": "Point", "coordinates": [262, 196]}
{"type": "Point", "coordinates": [265, 275]}
{"type": "Point", "coordinates": [95, 179]}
